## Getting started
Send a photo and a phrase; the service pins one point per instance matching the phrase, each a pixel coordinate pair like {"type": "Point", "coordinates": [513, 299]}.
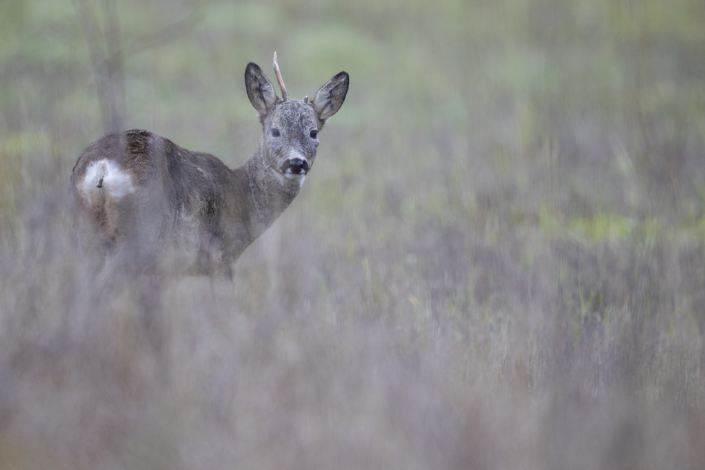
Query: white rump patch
{"type": "Point", "coordinates": [105, 176]}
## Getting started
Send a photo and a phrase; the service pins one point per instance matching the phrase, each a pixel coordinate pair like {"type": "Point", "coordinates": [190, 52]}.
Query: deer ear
{"type": "Point", "coordinates": [330, 97]}
{"type": "Point", "coordinates": [259, 90]}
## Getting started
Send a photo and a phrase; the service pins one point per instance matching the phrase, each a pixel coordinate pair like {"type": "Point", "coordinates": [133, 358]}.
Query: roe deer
{"type": "Point", "coordinates": [140, 195]}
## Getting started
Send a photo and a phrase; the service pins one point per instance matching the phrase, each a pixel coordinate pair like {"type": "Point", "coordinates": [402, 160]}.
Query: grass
{"type": "Point", "coordinates": [498, 261]}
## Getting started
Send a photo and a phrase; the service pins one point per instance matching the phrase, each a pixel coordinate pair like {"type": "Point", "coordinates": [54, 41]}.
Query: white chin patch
{"type": "Point", "coordinates": [300, 177]}
{"type": "Point", "coordinates": [293, 176]}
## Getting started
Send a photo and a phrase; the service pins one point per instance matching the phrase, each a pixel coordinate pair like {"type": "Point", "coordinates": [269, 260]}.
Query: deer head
{"type": "Point", "coordinates": [290, 127]}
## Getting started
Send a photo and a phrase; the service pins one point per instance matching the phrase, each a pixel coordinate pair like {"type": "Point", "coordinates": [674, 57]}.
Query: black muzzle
{"type": "Point", "coordinates": [296, 166]}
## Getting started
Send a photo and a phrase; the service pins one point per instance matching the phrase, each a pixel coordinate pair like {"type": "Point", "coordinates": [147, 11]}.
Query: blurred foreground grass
{"type": "Point", "coordinates": [498, 262]}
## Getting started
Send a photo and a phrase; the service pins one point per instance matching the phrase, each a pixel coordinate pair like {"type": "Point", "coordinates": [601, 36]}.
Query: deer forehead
{"type": "Point", "coordinates": [292, 114]}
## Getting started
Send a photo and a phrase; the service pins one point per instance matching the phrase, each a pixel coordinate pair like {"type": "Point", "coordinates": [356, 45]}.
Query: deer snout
{"type": "Point", "coordinates": [295, 166]}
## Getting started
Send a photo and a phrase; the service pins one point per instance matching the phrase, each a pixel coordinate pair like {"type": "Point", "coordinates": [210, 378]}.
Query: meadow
{"type": "Point", "coordinates": [498, 261]}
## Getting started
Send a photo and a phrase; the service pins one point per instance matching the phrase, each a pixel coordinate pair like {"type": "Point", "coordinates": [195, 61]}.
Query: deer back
{"type": "Point", "coordinates": [142, 193]}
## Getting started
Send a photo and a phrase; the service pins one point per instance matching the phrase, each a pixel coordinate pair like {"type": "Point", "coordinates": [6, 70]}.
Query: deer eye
{"type": "Point", "coordinates": [314, 134]}
{"type": "Point", "coordinates": [275, 132]}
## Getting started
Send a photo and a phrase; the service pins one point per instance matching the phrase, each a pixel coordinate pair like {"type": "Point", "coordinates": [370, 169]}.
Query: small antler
{"type": "Point", "coordinates": [305, 99]}
{"type": "Point", "coordinates": [285, 95]}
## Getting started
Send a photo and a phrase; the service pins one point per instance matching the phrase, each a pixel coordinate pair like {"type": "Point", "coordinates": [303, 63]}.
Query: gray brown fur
{"type": "Point", "coordinates": [139, 196]}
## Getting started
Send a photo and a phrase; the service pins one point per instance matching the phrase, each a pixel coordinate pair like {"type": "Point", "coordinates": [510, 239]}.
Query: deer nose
{"type": "Point", "coordinates": [296, 166]}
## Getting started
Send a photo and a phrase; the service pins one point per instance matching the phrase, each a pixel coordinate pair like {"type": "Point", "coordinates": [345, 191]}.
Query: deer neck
{"type": "Point", "coordinates": [269, 192]}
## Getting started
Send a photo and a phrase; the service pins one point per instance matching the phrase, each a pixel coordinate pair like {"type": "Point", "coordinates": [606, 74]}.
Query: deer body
{"type": "Point", "coordinates": [149, 203]}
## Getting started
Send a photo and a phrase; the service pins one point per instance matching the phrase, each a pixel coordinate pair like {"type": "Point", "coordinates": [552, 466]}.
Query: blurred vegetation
{"type": "Point", "coordinates": [498, 262]}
